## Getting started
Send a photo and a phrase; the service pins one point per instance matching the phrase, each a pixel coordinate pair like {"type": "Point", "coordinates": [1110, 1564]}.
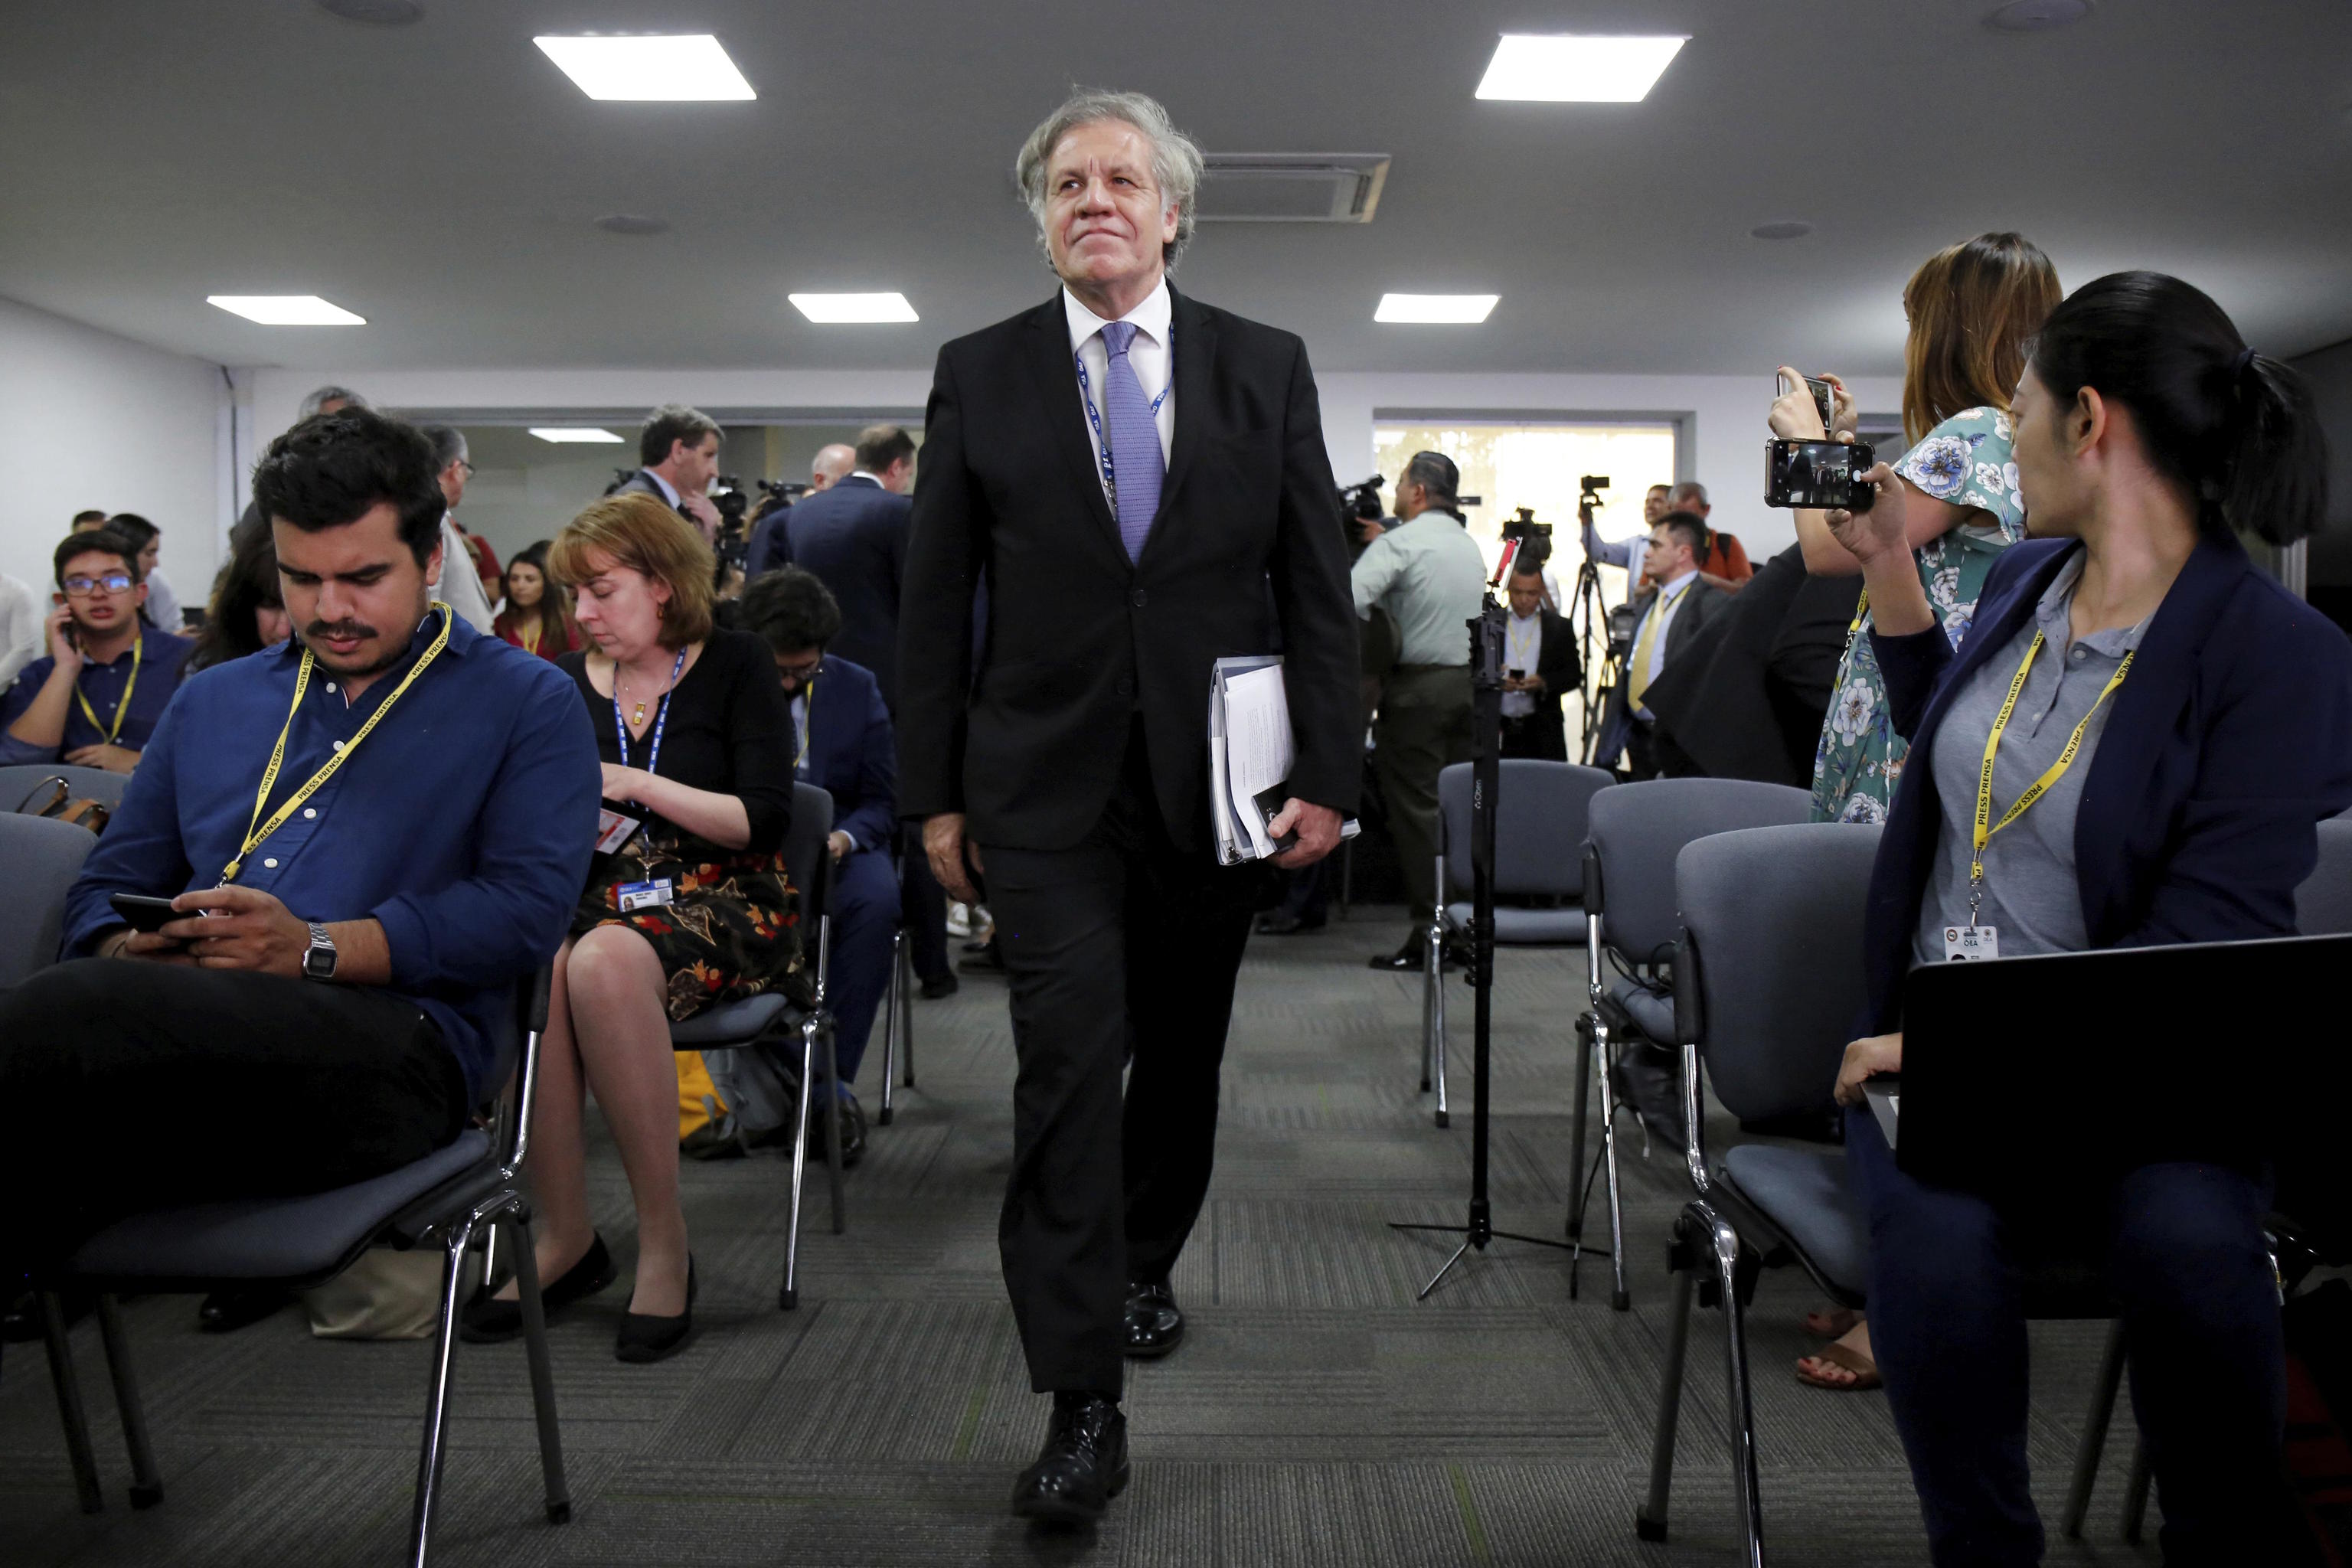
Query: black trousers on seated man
{"type": "Point", "coordinates": [126, 1084]}
{"type": "Point", "coordinates": [1120, 943]}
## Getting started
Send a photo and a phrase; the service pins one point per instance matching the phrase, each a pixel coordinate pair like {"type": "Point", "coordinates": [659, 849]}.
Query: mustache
{"type": "Point", "coordinates": [340, 629]}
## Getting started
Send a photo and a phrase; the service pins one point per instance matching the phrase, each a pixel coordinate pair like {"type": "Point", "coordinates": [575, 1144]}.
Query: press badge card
{"type": "Point", "coordinates": [645, 895]}
{"type": "Point", "coordinates": [613, 830]}
{"type": "Point", "coordinates": [1962, 943]}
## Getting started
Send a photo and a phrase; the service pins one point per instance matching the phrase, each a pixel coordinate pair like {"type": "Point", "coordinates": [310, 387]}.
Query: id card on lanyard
{"type": "Point", "coordinates": [661, 890]}
{"type": "Point", "coordinates": [1094, 417]}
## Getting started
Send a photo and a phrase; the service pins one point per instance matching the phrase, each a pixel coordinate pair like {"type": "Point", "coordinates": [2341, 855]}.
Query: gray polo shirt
{"type": "Point", "coordinates": [2031, 894]}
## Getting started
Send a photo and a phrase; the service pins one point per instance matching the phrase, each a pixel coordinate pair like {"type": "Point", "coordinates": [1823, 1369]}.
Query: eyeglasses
{"type": "Point", "coordinates": [800, 674]}
{"type": "Point", "coordinates": [469, 467]}
{"type": "Point", "coordinates": [78, 587]}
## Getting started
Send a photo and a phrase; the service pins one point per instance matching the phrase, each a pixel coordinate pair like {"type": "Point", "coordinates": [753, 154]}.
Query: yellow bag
{"type": "Point", "coordinates": [698, 1102]}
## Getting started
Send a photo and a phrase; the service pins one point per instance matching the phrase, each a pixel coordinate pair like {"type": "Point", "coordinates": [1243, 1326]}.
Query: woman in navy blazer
{"type": "Point", "coordinates": [2147, 432]}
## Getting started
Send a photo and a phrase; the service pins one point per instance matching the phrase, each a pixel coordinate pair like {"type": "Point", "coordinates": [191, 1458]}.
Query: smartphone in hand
{"type": "Point", "coordinates": [142, 912]}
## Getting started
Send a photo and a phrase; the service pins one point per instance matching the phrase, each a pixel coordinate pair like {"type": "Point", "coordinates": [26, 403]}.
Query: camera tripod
{"type": "Point", "coordinates": [1486, 775]}
{"type": "Point", "coordinates": [1588, 617]}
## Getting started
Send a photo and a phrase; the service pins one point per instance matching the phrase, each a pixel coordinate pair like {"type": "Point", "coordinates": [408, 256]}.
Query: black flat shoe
{"type": "Point", "coordinates": [940, 986]}
{"type": "Point", "coordinates": [1083, 1466]}
{"type": "Point", "coordinates": [1155, 1324]}
{"type": "Point", "coordinates": [486, 1322]}
{"type": "Point", "coordinates": [1410, 956]}
{"type": "Point", "coordinates": [646, 1338]}
{"type": "Point", "coordinates": [226, 1312]}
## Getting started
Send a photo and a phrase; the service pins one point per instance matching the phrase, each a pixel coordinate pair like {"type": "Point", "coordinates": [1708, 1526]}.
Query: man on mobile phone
{"type": "Point", "coordinates": [96, 697]}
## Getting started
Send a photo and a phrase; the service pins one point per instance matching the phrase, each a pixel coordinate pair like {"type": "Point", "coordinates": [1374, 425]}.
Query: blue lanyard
{"type": "Point", "coordinates": [1102, 442]}
{"type": "Point", "coordinates": [661, 717]}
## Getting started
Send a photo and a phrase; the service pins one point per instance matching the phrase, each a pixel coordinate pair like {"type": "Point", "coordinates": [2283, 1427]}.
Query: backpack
{"type": "Point", "coordinates": [63, 805]}
{"type": "Point", "coordinates": [758, 1100]}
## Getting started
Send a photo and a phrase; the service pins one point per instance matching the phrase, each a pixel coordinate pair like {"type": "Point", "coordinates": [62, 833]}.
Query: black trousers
{"type": "Point", "coordinates": [924, 904]}
{"type": "Point", "coordinates": [1540, 735]}
{"type": "Point", "coordinates": [1121, 943]}
{"type": "Point", "coordinates": [126, 1084]}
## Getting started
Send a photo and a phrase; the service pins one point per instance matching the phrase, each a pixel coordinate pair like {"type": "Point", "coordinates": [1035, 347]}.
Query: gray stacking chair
{"type": "Point", "coordinates": [20, 785]}
{"type": "Point", "coordinates": [1635, 832]}
{"type": "Point", "coordinates": [765, 1021]}
{"type": "Point", "coordinates": [43, 858]}
{"type": "Point", "coordinates": [1768, 984]}
{"type": "Point", "coordinates": [1540, 810]}
{"type": "Point", "coordinates": [296, 1243]}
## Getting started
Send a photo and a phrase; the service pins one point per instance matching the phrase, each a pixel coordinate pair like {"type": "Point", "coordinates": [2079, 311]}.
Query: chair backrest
{"type": "Point", "coordinates": [21, 779]}
{"type": "Point", "coordinates": [1539, 822]}
{"type": "Point", "coordinates": [1636, 831]}
{"type": "Point", "coordinates": [43, 858]}
{"type": "Point", "coordinates": [806, 860]}
{"type": "Point", "coordinates": [2322, 905]}
{"type": "Point", "coordinates": [1767, 981]}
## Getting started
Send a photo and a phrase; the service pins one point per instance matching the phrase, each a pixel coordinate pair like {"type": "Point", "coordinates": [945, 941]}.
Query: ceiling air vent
{"type": "Point", "coordinates": [1293, 187]}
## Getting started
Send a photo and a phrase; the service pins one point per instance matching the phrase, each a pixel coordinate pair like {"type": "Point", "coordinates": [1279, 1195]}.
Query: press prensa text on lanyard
{"type": "Point", "coordinates": [661, 717]}
{"type": "Point", "coordinates": [1093, 419]}
{"type": "Point", "coordinates": [255, 830]}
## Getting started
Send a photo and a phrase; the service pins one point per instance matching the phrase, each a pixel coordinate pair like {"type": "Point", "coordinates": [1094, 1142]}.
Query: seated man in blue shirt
{"type": "Point", "coordinates": [98, 696]}
{"type": "Point", "coordinates": [371, 833]}
{"type": "Point", "coordinates": [843, 745]}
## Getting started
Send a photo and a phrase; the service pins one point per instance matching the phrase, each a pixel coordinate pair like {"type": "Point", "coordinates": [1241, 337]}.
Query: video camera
{"type": "Point", "coordinates": [1360, 502]}
{"type": "Point", "coordinates": [784, 492]}
{"type": "Point", "coordinates": [1533, 538]}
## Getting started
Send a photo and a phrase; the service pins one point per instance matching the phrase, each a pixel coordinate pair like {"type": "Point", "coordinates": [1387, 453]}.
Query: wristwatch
{"type": "Point", "coordinates": [319, 958]}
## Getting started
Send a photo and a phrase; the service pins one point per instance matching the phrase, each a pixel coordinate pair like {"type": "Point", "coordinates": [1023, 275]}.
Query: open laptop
{"type": "Point", "coordinates": [2022, 1072]}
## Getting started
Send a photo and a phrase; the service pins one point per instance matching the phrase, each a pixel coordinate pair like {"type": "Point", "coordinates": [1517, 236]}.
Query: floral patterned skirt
{"type": "Point", "coordinates": [732, 930]}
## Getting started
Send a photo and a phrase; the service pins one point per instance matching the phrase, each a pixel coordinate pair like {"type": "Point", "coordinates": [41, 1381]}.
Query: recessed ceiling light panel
{"type": "Point", "coordinates": [286, 309]}
{"type": "Point", "coordinates": [566, 434]}
{"type": "Point", "coordinates": [2036, 16]}
{"type": "Point", "coordinates": [1436, 310]}
{"type": "Point", "coordinates": [633, 224]}
{"type": "Point", "coordinates": [687, 68]}
{"type": "Point", "coordinates": [1574, 69]}
{"type": "Point", "coordinates": [1784, 228]}
{"type": "Point", "coordinates": [833, 310]}
{"type": "Point", "coordinates": [376, 13]}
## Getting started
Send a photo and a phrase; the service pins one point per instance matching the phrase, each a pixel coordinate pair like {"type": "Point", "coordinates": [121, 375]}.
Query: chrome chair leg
{"type": "Point", "coordinates": [453, 1247]}
{"type": "Point", "coordinates": [824, 1025]}
{"type": "Point", "coordinates": [2093, 1442]}
{"type": "Point", "coordinates": [1584, 1025]}
{"type": "Point", "coordinates": [1650, 1519]}
{"type": "Point", "coordinates": [542, 1376]}
{"type": "Point", "coordinates": [1723, 1244]}
{"type": "Point", "coordinates": [906, 1015]}
{"type": "Point", "coordinates": [2135, 1493]}
{"type": "Point", "coordinates": [891, 999]}
{"type": "Point", "coordinates": [1434, 962]}
{"type": "Point", "coordinates": [1620, 1299]}
{"type": "Point", "coordinates": [70, 1410]}
{"type": "Point", "coordinates": [146, 1484]}
{"type": "Point", "coordinates": [1430, 990]}
{"type": "Point", "coordinates": [790, 1296]}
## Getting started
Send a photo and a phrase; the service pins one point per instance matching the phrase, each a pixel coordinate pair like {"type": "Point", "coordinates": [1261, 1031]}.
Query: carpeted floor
{"type": "Point", "coordinates": [1317, 1414]}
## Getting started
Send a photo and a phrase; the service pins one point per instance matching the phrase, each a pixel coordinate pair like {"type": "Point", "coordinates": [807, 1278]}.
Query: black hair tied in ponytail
{"type": "Point", "coordinates": [2236, 430]}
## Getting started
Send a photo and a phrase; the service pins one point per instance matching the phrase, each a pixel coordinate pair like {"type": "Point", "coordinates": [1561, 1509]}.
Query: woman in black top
{"type": "Point", "coordinates": [695, 741]}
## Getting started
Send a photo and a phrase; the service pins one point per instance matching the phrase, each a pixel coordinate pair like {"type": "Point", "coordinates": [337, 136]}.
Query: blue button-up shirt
{"type": "Point", "coordinates": [160, 656]}
{"type": "Point", "coordinates": [463, 825]}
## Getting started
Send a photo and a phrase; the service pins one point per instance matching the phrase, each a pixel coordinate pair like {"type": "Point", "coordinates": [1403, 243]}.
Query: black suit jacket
{"type": "Point", "coordinates": [1245, 557]}
{"type": "Point", "coordinates": [1704, 602]}
{"type": "Point", "coordinates": [642, 483]}
{"type": "Point", "coordinates": [854, 537]}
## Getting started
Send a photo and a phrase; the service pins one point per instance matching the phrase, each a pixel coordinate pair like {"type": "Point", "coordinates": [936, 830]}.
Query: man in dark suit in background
{"type": "Point", "coordinates": [1539, 644]}
{"type": "Point", "coordinates": [853, 535]}
{"type": "Point", "coordinates": [1669, 616]}
{"type": "Point", "coordinates": [771, 545]}
{"type": "Point", "coordinates": [678, 457]}
{"type": "Point", "coordinates": [1142, 479]}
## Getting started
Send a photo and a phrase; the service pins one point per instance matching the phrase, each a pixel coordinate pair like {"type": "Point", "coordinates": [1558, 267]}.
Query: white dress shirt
{"type": "Point", "coordinates": [1148, 353]}
{"type": "Point", "coordinates": [22, 627]}
{"type": "Point", "coordinates": [1669, 599]}
{"type": "Point", "coordinates": [668, 493]}
{"type": "Point", "coordinates": [1522, 650]}
{"type": "Point", "coordinates": [460, 586]}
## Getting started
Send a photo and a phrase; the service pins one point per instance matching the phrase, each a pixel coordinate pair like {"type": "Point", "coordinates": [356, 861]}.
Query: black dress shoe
{"type": "Point", "coordinates": [1285, 925]}
{"type": "Point", "coordinates": [226, 1312]}
{"type": "Point", "coordinates": [22, 1322]}
{"type": "Point", "coordinates": [1083, 1466]}
{"type": "Point", "coordinates": [486, 1322]}
{"type": "Point", "coordinates": [938, 986]}
{"type": "Point", "coordinates": [1155, 1324]}
{"type": "Point", "coordinates": [853, 1131]}
{"type": "Point", "coordinates": [646, 1338]}
{"type": "Point", "coordinates": [1413, 954]}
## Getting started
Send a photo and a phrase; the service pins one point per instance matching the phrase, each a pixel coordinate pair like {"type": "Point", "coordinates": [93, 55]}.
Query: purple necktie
{"type": "Point", "coordinates": [1133, 435]}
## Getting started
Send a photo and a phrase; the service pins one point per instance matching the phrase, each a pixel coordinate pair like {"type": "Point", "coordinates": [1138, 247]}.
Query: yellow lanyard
{"type": "Point", "coordinates": [123, 707]}
{"type": "Point", "coordinates": [808, 706]}
{"type": "Point", "coordinates": [254, 835]}
{"type": "Point", "coordinates": [2040, 787]}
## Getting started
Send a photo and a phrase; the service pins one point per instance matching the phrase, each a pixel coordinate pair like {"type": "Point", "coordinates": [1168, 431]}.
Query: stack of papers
{"type": "Point", "coordinates": [1250, 753]}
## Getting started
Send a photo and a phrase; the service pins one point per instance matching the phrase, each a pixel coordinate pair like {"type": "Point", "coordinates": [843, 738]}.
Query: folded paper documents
{"type": "Point", "coordinates": [1250, 753]}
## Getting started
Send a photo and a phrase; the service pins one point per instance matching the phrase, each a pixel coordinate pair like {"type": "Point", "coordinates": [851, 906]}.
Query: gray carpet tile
{"type": "Point", "coordinates": [1317, 1415]}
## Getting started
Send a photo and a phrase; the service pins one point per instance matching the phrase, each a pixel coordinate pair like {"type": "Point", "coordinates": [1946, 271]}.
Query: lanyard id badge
{"type": "Point", "coordinates": [648, 895]}
{"type": "Point", "coordinates": [1962, 943]}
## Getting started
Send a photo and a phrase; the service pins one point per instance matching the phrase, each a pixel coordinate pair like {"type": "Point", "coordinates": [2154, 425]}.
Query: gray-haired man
{"type": "Point", "coordinates": [1143, 479]}
{"type": "Point", "coordinates": [678, 457]}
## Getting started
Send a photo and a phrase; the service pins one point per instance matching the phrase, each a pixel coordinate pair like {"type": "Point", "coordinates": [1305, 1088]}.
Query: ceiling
{"type": "Point", "coordinates": [442, 179]}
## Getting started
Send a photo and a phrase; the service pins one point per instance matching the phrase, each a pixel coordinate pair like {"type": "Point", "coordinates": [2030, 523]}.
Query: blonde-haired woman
{"type": "Point", "coordinates": [696, 742]}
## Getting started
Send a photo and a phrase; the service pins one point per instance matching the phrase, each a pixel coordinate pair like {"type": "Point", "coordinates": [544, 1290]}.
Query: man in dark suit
{"type": "Point", "coordinates": [1539, 644]}
{"type": "Point", "coordinates": [853, 535]}
{"type": "Point", "coordinates": [1669, 616]}
{"type": "Point", "coordinates": [678, 457]}
{"type": "Point", "coordinates": [1142, 479]}
{"type": "Point", "coordinates": [771, 545]}
{"type": "Point", "coordinates": [843, 745]}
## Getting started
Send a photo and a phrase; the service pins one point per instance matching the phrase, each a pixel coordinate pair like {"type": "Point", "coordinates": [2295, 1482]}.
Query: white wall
{"type": "Point", "coordinates": [90, 420]}
{"type": "Point", "coordinates": [1722, 416]}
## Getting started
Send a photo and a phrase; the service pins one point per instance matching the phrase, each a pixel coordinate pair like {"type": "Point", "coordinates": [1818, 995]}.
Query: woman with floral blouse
{"type": "Point", "coordinates": [1972, 307]}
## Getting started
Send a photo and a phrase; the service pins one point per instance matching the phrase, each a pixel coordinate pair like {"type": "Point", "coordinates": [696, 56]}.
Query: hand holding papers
{"type": "Point", "coordinates": [1250, 753]}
